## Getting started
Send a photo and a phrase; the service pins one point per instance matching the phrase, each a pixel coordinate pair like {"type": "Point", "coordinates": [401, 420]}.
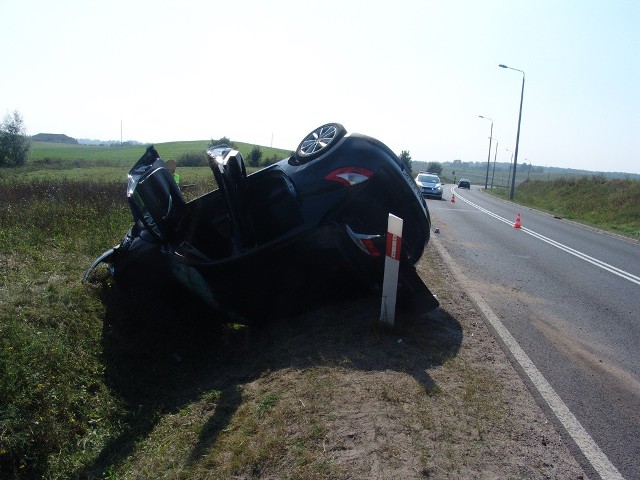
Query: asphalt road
{"type": "Point", "coordinates": [570, 296]}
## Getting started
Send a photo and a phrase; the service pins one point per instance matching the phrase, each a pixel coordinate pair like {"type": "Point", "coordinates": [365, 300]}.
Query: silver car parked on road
{"type": "Point", "coordinates": [429, 185]}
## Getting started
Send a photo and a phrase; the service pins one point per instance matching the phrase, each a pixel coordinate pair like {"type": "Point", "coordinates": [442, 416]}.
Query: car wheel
{"type": "Point", "coordinates": [319, 141]}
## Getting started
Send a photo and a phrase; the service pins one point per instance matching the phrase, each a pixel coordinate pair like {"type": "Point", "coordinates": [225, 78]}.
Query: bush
{"type": "Point", "coordinates": [270, 161]}
{"type": "Point", "coordinates": [192, 159]}
{"type": "Point", "coordinates": [255, 155]}
{"type": "Point", "coordinates": [223, 141]}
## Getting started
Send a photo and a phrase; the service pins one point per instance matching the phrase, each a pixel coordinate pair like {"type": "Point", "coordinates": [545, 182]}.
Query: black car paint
{"type": "Point", "coordinates": [278, 239]}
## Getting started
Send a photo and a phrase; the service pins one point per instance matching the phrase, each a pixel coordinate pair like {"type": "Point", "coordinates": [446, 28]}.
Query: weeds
{"type": "Point", "coordinates": [266, 404]}
{"type": "Point", "coordinates": [608, 204]}
{"type": "Point", "coordinates": [77, 377]}
{"type": "Point", "coordinates": [55, 407]}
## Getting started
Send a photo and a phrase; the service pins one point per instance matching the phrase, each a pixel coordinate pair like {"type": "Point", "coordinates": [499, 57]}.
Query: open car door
{"type": "Point", "coordinates": [230, 173]}
{"type": "Point", "coordinates": [154, 197]}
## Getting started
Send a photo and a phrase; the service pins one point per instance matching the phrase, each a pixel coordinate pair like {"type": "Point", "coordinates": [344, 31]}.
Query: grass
{"type": "Point", "coordinates": [608, 204]}
{"type": "Point", "coordinates": [98, 175]}
{"type": "Point", "coordinates": [50, 155]}
{"type": "Point", "coordinates": [93, 385]}
{"type": "Point", "coordinates": [89, 163]}
{"type": "Point", "coordinates": [54, 408]}
{"type": "Point", "coordinates": [81, 368]}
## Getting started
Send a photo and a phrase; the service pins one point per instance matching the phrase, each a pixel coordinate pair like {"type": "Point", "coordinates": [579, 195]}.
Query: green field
{"type": "Point", "coordinates": [188, 175]}
{"type": "Point", "coordinates": [128, 154]}
{"type": "Point", "coordinates": [56, 161]}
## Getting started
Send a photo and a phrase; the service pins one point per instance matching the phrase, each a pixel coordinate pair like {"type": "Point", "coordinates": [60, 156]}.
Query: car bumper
{"type": "Point", "coordinates": [431, 193]}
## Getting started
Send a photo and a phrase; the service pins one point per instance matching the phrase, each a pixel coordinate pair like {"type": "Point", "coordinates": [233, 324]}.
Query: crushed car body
{"type": "Point", "coordinates": [280, 239]}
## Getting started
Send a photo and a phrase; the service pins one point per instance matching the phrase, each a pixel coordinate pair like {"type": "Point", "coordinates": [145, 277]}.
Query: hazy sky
{"type": "Point", "coordinates": [415, 74]}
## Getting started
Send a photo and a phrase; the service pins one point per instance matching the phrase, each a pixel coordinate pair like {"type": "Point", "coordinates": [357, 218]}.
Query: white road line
{"type": "Point", "coordinates": [594, 455]}
{"type": "Point", "coordinates": [583, 256]}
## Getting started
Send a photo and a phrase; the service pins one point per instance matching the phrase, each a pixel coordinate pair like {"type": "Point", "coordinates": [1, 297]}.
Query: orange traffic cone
{"type": "Point", "coordinates": [453, 198]}
{"type": "Point", "coordinates": [517, 224]}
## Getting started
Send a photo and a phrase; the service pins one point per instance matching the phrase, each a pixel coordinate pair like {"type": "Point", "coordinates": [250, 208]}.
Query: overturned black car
{"type": "Point", "coordinates": [281, 239]}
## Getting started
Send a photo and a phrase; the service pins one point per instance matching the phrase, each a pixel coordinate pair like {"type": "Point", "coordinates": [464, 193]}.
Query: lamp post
{"type": "Point", "coordinates": [515, 160]}
{"type": "Point", "coordinates": [495, 155]}
{"type": "Point", "coordinates": [486, 180]}
{"type": "Point", "coordinates": [510, 162]}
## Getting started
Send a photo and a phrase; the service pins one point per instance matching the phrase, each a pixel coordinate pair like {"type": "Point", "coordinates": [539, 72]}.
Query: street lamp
{"type": "Point", "coordinates": [515, 160]}
{"type": "Point", "coordinates": [486, 181]}
{"type": "Point", "coordinates": [510, 162]}
{"type": "Point", "coordinates": [495, 155]}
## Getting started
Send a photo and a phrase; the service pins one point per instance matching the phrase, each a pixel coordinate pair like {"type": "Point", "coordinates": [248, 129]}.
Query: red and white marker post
{"type": "Point", "coordinates": [391, 269]}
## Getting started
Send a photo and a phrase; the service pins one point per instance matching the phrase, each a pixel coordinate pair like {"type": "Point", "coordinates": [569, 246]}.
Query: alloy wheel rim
{"type": "Point", "coordinates": [318, 139]}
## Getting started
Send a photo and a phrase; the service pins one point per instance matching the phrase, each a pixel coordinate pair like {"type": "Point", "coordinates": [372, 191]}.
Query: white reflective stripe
{"type": "Point", "coordinates": [391, 270]}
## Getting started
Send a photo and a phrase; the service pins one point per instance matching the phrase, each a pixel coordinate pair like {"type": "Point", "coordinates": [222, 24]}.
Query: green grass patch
{"type": "Point", "coordinates": [56, 409]}
{"type": "Point", "coordinates": [98, 175]}
{"type": "Point", "coordinates": [83, 370]}
{"type": "Point", "coordinates": [608, 204]}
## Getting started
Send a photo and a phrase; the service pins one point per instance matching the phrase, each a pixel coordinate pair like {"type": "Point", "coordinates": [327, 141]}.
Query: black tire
{"type": "Point", "coordinates": [319, 141]}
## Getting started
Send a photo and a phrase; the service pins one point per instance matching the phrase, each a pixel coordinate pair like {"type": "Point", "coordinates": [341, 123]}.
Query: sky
{"type": "Point", "coordinates": [414, 74]}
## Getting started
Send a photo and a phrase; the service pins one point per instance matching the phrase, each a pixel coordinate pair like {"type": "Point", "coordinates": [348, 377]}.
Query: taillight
{"type": "Point", "coordinates": [366, 243]}
{"type": "Point", "coordinates": [350, 175]}
{"type": "Point", "coordinates": [371, 247]}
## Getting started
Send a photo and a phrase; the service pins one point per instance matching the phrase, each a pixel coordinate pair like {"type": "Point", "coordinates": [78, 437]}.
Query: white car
{"type": "Point", "coordinates": [429, 185]}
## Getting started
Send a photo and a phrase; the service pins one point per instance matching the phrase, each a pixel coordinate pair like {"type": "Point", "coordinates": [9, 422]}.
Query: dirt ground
{"type": "Point", "coordinates": [435, 397]}
{"type": "Point", "coordinates": [332, 394]}
{"type": "Point", "coordinates": [520, 444]}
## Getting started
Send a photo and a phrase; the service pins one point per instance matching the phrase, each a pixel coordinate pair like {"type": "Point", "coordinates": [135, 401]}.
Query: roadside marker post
{"type": "Point", "coordinates": [391, 269]}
